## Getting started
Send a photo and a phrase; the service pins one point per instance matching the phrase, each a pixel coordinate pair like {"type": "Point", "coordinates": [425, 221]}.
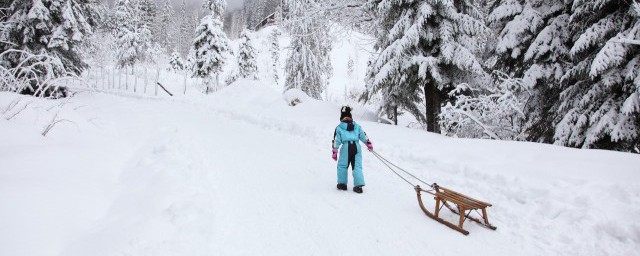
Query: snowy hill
{"type": "Point", "coordinates": [240, 172]}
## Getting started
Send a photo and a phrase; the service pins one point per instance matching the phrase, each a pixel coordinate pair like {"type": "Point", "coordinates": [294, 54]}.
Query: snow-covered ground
{"type": "Point", "coordinates": [240, 172]}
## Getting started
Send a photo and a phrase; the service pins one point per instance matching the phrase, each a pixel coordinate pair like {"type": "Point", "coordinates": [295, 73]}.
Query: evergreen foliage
{"type": "Point", "coordinates": [599, 102]}
{"type": "Point", "coordinates": [274, 38]}
{"type": "Point", "coordinates": [247, 57]}
{"type": "Point", "coordinates": [133, 36]}
{"type": "Point", "coordinates": [210, 44]}
{"type": "Point", "coordinates": [425, 48]}
{"type": "Point", "coordinates": [53, 28]}
{"type": "Point", "coordinates": [308, 65]}
{"type": "Point", "coordinates": [175, 61]}
{"type": "Point", "coordinates": [164, 24]}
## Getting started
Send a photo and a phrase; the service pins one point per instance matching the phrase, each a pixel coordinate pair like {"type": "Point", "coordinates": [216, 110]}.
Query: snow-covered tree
{"type": "Point", "coordinates": [425, 48]}
{"type": "Point", "coordinates": [148, 12]}
{"type": "Point", "coordinates": [163, 25]}
{"type": "Point", "coordinates": [492, 110]}
{"type": "Point", "coordinates": [308, 65]}
{"type": "Point", "coordinates": [175, 61]}
{"type": "Point", "coordinates": [185, 25]}
{"type": "Point", "coordinates": [247, 57]}
{"type": "Point", "coordinates": [600, 99]}
{"type": "Point", "coordinates": [274, 38]}
{"type": "Point", "coordinates": [532, 43]}
{"type": "Point", "coordinates": [56, 29]}
{"type": "Point", "coordinates": [210, 44]}
{"type": "Point", "coordinates": [133, 36]}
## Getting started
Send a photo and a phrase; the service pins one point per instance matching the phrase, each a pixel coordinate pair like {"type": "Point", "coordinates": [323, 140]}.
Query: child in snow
{"type": "Point", "coordinates": [347, 135]}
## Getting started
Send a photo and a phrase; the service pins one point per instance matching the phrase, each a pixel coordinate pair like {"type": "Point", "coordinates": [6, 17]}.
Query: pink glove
{"type": "Point", "coordinates": [335, 154]}
{"type": "Point", "coordinates": [369, 146]}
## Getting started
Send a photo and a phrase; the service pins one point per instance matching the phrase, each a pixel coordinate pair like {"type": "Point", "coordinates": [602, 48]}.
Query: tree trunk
{"type": "Point", "coordinates": [113, 78]}
{"type": "Point", "coordinates": [119, 79]}
{"type": "Point", "coordinates": [135, 78]}
{"type": "Point", "coordinates": [395, 114]}
{"type": "Point", "coordinates": [102, 77]}
{"type": "Point", "coordinates": [432, 104]}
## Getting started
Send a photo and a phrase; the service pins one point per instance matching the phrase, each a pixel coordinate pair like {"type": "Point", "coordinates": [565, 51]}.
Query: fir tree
{"type": "Point", "coordinates": [599, 103]}
{"type": "Point", "coordinates": [247, 57]}
{"type": "Point", "coordinates": [163, 25]}
{"type": "Point", "coordinates": [425, 49]}
{"type": "Point", "coordinates": [133, 35]}
{"type": "Point", "coordinates": [275, 53]}
{"type": "Point", "coordinates": [532, 44]}
{"type": "Point", "coordinates": [56, 29]}
{"type": "Point", "coordinates": [210, 44]}
{"type": "Point", "coordinates": [148, 12]}
{"type": "Point", "coordinates": [308, 65]}
{"type": "Point", "coordinates": [175, 61]}
{"type": "Point", "coordinates": [184, 30]}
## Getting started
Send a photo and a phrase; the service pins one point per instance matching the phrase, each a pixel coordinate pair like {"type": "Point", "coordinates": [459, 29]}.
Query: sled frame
{"type": "Point", "coordinates": [464, 206]}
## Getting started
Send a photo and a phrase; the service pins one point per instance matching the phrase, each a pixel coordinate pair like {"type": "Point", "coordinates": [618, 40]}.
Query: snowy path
{"type": "Point", "coordinates": [242, 173]}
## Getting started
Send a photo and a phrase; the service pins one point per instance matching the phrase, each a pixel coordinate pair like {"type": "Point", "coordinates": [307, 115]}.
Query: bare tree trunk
{"type": "Point", "coordinates": [432, 104]}
{"type": "Point", "coordinates": [395, 114]}
{"type": "Point", "coordinates": [119, 79]}
{"type": "Point", "coordinates": [102, 77]}
{"type": "Point", "coordinates": [135, 77]}
{"type": "Point", "coordinates": [206, 85]}
{"type": "Point", "coordinates": [217, 82]}
{"type": "Point", "coordinates": [126, 79]}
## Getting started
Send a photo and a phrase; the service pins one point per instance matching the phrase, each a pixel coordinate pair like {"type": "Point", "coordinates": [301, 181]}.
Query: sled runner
{"type": "Point", "coordinates": [464, 206]}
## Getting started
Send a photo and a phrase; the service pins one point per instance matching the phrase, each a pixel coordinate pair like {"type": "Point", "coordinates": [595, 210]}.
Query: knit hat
{"type": "Point", "coordinates": [345, 112]}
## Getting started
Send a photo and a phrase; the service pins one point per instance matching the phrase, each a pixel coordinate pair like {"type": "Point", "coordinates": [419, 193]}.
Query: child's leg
{"type": "Point", "coordinates": [343, 164]}
{"type": "Point", "coordinates": [358, 176]}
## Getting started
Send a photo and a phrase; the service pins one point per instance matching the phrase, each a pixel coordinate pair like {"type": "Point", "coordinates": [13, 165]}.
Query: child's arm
{"type": "Point", "coordinates": [365, 139]}
{"type": "Point", "coordinates": [336, 139]}
{"type": "Point", "coordinates": [363, 136]}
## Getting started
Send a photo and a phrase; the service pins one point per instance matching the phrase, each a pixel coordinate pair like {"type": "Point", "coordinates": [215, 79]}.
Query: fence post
{"type": "Point", "coordinates": [157, 80]}
{"type": "Point", "coordinates": [185, 82]}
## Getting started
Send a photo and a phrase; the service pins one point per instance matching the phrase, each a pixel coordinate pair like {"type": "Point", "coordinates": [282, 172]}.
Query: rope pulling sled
{"type": "Point", "coordinates": [464, 205]}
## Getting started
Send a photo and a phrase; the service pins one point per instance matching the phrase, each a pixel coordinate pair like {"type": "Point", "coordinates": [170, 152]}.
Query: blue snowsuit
{"type": "Point", "coordinates": [345, 138]}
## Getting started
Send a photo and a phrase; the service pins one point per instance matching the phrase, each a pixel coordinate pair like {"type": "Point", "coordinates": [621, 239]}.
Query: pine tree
{"type": "Point", "coordinates": [274, 37]}
{"type": "Point", "coordinates": [133, 35]}
{"type": "Point", "coordinates": [532, 44]}
{"type": "Point", "coordinates": [261, 8]}
{"type": "Point", "coordinates": [599, 103]}
{"type": "Point", "coordinates": [187, 24]}
{"type": "Point", "coordinates": [308, 66]}
{"type": "Point", "coordinates": [175, 61]}
{"type": "Point", "coordinates": [148, 12]}
{"type": "Point", "coordinates": [163, 25]}
{"type": "Point", "coordinates": [54, 28]}
{"type": "Point", "coordinates": [210, 44]}
{"type": "Point", "coordinates": [425, 48]}
{"type": "Point", "coordinates": [247, 57]}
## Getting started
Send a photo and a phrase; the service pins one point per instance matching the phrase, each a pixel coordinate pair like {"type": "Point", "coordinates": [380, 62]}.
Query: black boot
{"type": "Point", "coordinates": [357, 189]}
{"type": "Point", "coordinates": [342, 186]}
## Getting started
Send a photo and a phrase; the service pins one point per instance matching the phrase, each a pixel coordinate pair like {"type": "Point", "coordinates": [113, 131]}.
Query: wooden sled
{"type": "Point", "coordinates": [464, 205]}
